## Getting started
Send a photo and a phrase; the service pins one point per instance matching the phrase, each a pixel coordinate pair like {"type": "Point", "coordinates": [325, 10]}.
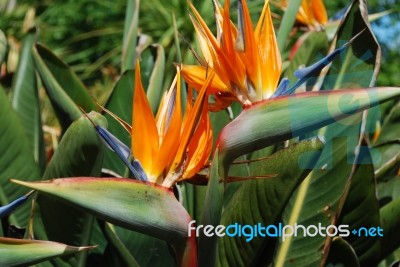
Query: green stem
{"type": "Point", "coordinates": [213, 203]}
{"type": "Point", "coordinates": [287, 23]}
{"type": "Point", "coordinates": [123, 252]}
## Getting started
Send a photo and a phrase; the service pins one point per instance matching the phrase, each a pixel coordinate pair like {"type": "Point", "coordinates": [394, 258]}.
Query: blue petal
{"type": "Point", "coordinates": [7, 209]}
{"type": "Point", "coordinates": [305, 73]}
{"type": "Point", "coordinates": [122, 151]}
{"type": "Point", "coordinates": [282, 87]}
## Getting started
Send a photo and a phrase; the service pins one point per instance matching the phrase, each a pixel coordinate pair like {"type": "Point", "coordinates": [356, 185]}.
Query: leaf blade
{"type": "Point", "coordinates": [18, 252]}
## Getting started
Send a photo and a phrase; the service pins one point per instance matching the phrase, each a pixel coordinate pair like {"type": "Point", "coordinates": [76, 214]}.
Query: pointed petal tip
{"type": "Point", "coordinates": [85, 248]}
{"type": "Point", "coordinates": [7, 209]}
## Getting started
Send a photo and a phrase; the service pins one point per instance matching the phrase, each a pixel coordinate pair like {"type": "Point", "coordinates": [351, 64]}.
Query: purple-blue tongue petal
{"type": "Point", "coordinates": [305, 73]}
{"type": "Point", "coordinates": [123, 152]}
{"type": "Point", "coordinates": [7, 209]}
{"type": "Point", "coordinates": [282, 87]}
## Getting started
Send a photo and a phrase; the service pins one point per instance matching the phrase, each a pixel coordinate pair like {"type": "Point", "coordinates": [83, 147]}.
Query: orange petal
{"type": "Point", "coordinates": [196, 75]}
{"type": "Point", "coordinates": [319, 11]}
{"type": "Point", "coordinates": [172, 123]}
{"type": "Point", "coordinates": [229, 46]}
{"type": "Point", "coordinates": [144, 130]}
{"type": "Point", "coordinates": [245, 29]}
{"type": "Point", "coordinates": [202, 26]}
{"type": "Point", "coordinates": [205, 45]}
{"type": "Point", "coordinates": [270, 57]}
{"type": "Point", "coordinates": [199, 147]}
{"type": "Point", "coordinates": [191, 122]}
{"type": "Point", "coordinates": [305, 15]}
{"type": "Point", "coordinates": [221, 62]}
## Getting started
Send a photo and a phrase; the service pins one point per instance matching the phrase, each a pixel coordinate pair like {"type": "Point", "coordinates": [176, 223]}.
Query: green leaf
{"type": "Point", "coordinates": [361, 208]}
{"type": "Point", "coordinates": [120, 247]}
{"type": "Point", "coordinates": [65, 90]}
{"type": "Point", "coordinates": [3, 47]}
{"type": "Point", "coordinates": [279, 119]}
{"type": "Point", "coordinates": [262, 201]}
{"type": "Point", "coordinates": [390, 126]}
{"type": "Point", "coordinates": [142, 207]}
{"type": "Point", "coordinates": [358, 67]}
{"type": "Point", "coordinates": [20, 252]}
{"type": "Point", "coordinates": [390, 221]}
{"type": "Point", "coordinates": [287, 23]}
{"type": "Point", "coordinates": [25, 99]}
{"type": "Point", "coordinates": [332, 26]}
{"type": "Point", "coordinates": [387, 145]}
{"type": "Point", "coordinates": [155, 86]}
{"type": "Point", "coordinates": [80, 153]}
{"type": "Point", "coordinates": [67, 79]}
{"type": "Point", "coordinates": [120, 103]}
{"type": "Point", "coordinates": [389, 190]}
{"type": "Point", "coordinates": [16, 160]}
{"type": "Point", "coordinates": [130, 244]}
{"type": "Point", "coordinates": [320, 197]}
{"type": "Point", "coordinates": [341, 254]}
{"type": "Point", "coordinates": [213, 202]}
{"type": "Point", "coordinates": [128, 59]}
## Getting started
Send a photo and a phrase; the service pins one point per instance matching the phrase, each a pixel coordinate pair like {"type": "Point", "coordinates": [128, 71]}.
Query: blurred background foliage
{"type": "Point", "coordinates": [87, 34]}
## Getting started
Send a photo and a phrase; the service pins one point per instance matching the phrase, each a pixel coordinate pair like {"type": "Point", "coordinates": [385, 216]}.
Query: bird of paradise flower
{"type": "Point", "coordinates": [246, 61]}
{"type": "Point", "coordinates": [167, 148]}
{"type": "Point", "coordinates": [312, 13]}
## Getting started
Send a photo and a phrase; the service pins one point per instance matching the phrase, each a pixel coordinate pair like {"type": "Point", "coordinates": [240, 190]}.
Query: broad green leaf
{"type": "Point", "coordinates": [25, 99]}
{"type": "Point", "coordinates": [22, 252]}
{"type": "Point", "coordinates": [3, 47]}
{"type": "Point", "coordinates": [62, 99]}
{"type": "Point", "coordinates": [341, 254]}
{"type": "Point", "coordinates": [130, 34]}
{"type": "Point", "coordinates": [287, 23]}
{"type": "Point", "coordinates": [390, 221]}
{"type": "Point", "coordinates": [262, 201]}
{"type": "Point", "coordinates": [389, 190]}
{"type": "Point", "coordinates": [67, 79]}
{"type": "Point", "coordinates": [319, 197]}
{"type": "Point", "coordinates": [16, 160]}
{"type": "Point", "coordinates": [361, 208]}
{"type": "Point", "coordinates": [80, 153]}
{"type": "Point", "coordinates": [137, 245]}
{"type": "Point", "coordinates": [120, 248]}
{"type": "Point", "coordinates": [142, 207]}
{"type": "Point", "coordinates": [282, 118]}
{"type": "Point", "coordinates": [314, 201]}
{"type": "Point", "coordinates": [120, 103]}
